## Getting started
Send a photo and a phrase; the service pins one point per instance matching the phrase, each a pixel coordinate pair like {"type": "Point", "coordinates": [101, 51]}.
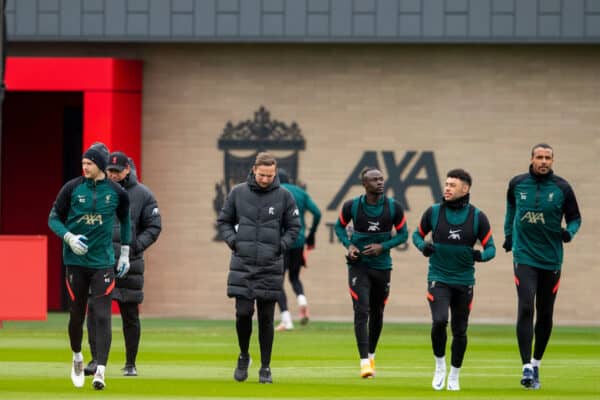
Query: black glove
{"type": "Point", "coordinates": [566, 236]}
{"type": "Point", "coordinates": [352, 261]}
{"type": "Point", "coordinates": [507, 245]}
{"type": "Point", "coordinates": [428, 249]}
{"type": "Point", "coordinates": [310, 240]}
{"type": "Point", "coordinates": [476, 255]}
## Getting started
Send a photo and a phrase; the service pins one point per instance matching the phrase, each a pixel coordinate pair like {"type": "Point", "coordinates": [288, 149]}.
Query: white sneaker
{"type": "Point", "coordinates": [77, 376]}
{"type": "Point", "coordinates": [284, 326]}
{"type": "Point", "coordinates": [98, 381]}
{"type": "Point", "coordinates": [439, 377]}
{"type": "Point", "coordinates": [453, 383]}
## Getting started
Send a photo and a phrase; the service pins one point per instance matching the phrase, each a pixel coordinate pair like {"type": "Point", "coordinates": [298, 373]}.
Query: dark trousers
{"type": "Point", "coordinates": [244, 310]}
{"type": "Point", "coordinates": [537, 289]}
{"type": "Point", "coordinates": [369, 289]}
{"type": "Point", "coordinates": [293, 261]}
{"type": "Point", "coordinates": [97, 284]}
{"type": "Point", "coordinates": [130, 316]}
{"type": "Point", "coordinates": [458, 299]}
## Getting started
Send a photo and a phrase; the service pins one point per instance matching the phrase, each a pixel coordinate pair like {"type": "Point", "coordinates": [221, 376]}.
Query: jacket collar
{"type": "Point", "coordinates": [459, 203]}
{"type": "Point", "coordinates": [251, 180]}
{"type": "Point", "coordinates": [538, 177]}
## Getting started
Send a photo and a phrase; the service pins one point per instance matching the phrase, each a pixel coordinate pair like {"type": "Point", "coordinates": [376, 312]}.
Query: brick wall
{"type": "Point", "coordinates": [479, 108]}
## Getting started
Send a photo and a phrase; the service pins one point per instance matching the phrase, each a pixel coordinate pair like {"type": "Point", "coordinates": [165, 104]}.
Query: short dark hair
{"type": "Point", "coordinates": [264, 158]}
{"type": "Point", "coordinates": [461, 174]}
{"type": "Point", "coordinates": [542, 146]}
{"type": "Point", "coordinates": [364, 171]}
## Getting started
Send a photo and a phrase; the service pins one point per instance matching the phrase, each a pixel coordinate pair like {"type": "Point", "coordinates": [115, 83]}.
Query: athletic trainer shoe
{"type": "Point", "coordinates": [366, 371]}
{"type": "Point", "coordinates": [90, 369]}
{"type": "Point", "coordinates": [372, 364]}
{"type": "Point", "coordinates": [264, 375]}
{"type": "Point", "coordinates": [527, 378]}
{"type": "Point", "coordinates": [453, 383]}
{"type": "Point", "coordinates": [536, 379]}
{"type": "Point", "coordinates": [77, 376]}
{"type": "Point", "coordinates": [439, 377]}
{"type": "Point", "coordinates": [304, 315]}
{"type": "Point", "coordinates": [241, 371]}
{"type": "Point", "coordinates": [98, 381]}
{"type": "Point", "coordinates": [129, 370]}
{"type": "Point", "coordinates": [284, 326]}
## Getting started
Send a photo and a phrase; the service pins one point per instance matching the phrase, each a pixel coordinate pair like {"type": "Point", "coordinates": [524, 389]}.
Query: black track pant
{"type": "Point", "coordinates": [130, 316]}
{"type": "Point", "coordinates": [457, 298]}
{"type": "Point", "coordinates": [537, 289]}
{"type": "Point", "coordinates": [244, 309]}
{"type": "Point", "coordinates": [369, 289]}
{"type": "Point", "coordinates": [98, 285]}
{"type": "Point", "coordinates": [293, 261]}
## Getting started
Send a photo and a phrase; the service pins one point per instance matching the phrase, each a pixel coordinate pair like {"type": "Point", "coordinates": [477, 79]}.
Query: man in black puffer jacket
{"type": "Point", "coordinates": [259, 222]}
{"type": "Point", "coordinates": [146, 226]}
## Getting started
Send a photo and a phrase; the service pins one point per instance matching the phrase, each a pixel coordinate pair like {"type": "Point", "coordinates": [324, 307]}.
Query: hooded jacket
{"type": "Point", "coordinates": [259, 225]}
{"type": "Point", "coordinates": [146, 226]}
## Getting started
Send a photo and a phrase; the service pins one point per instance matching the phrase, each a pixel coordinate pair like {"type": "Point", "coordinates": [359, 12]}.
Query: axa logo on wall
{"type": "Point", "coordinates": [241, 142]}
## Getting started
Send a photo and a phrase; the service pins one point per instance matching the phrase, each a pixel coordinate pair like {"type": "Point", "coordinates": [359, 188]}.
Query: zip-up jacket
{"type": "Point", "coordinates": [304, 203]}
{"type": "Point", "coordinates": [372, 224]}
{"type": "Point", "coordinates": [535, 206]}
{"type": "Point", "coordinates": [259, 225]}
{"type": "Point", "coordinates": [146, 226]}
{"type": "Point", "coordinates": [87, 207]}
{"type": "Point", "coordinates": [455, 228]}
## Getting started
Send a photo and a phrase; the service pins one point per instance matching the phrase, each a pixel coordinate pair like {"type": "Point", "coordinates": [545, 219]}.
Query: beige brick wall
{"type": "Point", "coordinates": [480, 108]}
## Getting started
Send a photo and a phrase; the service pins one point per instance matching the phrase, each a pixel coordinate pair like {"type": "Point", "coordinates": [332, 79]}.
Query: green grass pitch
{"type": "Point", "coordinates": [185, 359]}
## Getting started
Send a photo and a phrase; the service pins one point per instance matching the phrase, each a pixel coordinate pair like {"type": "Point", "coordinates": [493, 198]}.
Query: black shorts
{"type": "Point", "coordinates": [84, 281]}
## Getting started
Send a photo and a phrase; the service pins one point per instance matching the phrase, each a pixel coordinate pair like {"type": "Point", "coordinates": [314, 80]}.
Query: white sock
{"type": "Point", "coordinates": [454, 372]}
{"type": "Point", "coordinates": [100, 369]}
{"type": "Point", "coordinates": [286, 317]}
{"type": "Point", "coordinates": [535, 363]}
{"type": "Point", "coordinates": [364, 361]}
{"type": "Point", "coordinates": [527, 366]}
{"type": "Point", "coordinates": [77, 356]}
{"type": "Point", "coordinates": [371, 356]}
{"type": "Point", "coordinates": [302, 300]}
{"type": "Point", "coordinates": [440, 362]}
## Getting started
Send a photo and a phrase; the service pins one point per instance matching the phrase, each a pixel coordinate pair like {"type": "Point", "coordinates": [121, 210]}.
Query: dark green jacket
{"type": "Point", "coordinates": [304, 203]}
{"type": "Point", "coordinates": [535, 206]}
{"type": "Point", "coordinates": [452, 262]}
{"type": "Point", "coordinates": [373, 224]}
{"type": "Point", "coordinates": [87, 207]}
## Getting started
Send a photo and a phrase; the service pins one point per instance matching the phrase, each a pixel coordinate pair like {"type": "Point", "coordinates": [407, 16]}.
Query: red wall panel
{"type": "Point", "coordinates": [32, 174]}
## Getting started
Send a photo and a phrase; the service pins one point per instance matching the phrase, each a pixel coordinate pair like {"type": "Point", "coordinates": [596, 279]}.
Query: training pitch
{"type": "Point", "coordinates": [185, 359]}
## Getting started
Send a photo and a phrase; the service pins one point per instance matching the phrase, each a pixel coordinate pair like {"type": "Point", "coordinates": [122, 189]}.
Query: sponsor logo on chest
{"type": "Point", "coordinates": [90, 219]}
{"type": "Point", "coordinates": [533, 217]}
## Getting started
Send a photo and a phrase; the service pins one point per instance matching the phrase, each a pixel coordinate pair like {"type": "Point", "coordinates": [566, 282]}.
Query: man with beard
{"type": "Point", "coordinates": [374, 217]}
{"type": "Point", "coordinates": [455, 227]}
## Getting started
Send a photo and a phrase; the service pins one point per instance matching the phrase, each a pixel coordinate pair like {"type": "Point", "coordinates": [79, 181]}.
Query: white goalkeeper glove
{"type": "Point", "coordinates": [77, 243]}
{"type": "Point", "coordinates": [123, 264]}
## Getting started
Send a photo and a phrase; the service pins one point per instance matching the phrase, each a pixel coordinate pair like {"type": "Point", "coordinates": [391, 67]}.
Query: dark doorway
{"type": "Point", "coordinates": [41, 150]}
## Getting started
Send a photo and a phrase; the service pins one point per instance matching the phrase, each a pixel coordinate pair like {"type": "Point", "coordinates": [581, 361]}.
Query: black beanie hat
{"type": "Point", "coordinates": [97, 156]}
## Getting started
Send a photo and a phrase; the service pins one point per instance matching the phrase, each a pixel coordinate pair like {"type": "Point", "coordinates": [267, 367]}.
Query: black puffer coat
{"type": "Point", "coordinates": [145, 226]}
{"type": "Point", "coordinates": [267, 224]}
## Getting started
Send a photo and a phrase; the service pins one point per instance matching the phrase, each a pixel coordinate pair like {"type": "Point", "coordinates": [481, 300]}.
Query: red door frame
{"type": "Point", "coordinates": [112, 103]}
{"type": "Point", "coordinates": [112, 95]}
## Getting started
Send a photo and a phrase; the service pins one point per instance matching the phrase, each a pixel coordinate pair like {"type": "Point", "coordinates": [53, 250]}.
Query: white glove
{"type": "Point", "coordinates": [77, 243]}
{"type": "Point", "coordinates": [123, 264]}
